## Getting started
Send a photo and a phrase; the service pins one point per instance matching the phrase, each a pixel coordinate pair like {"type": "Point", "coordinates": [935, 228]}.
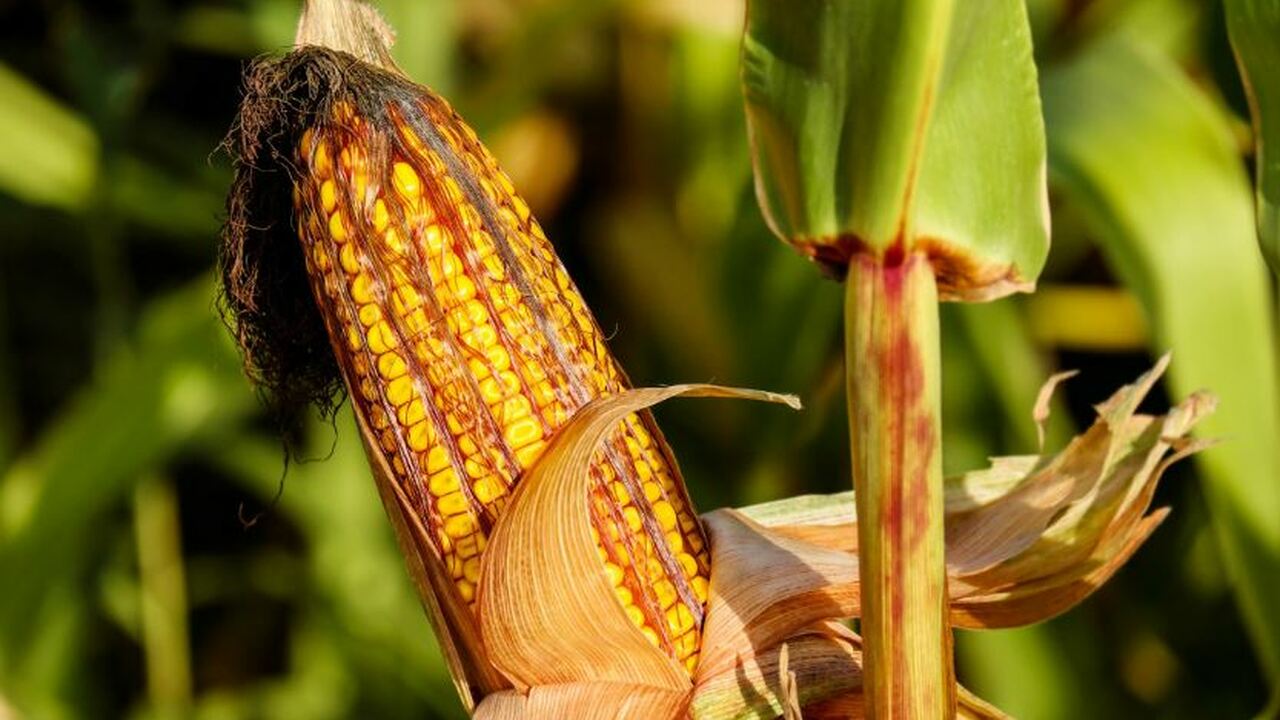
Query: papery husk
{"type": "Point", "coordinates": [979, 540]}
{"type": "Point", "coordinates": [765, 587]}
{"type": "Point", "coordinates": [351, 26]}
{"type": "Point", "coordinates": [1040, 411]}
{"type": "Point", "coordinates": [585, 701]}
{"type": "Point", "coordinates": [1032, 536]}
{"type": "Point", "coordinates": [824, 667]}
{"type": "Point", "coordinates": [1089, 534]}
{"type": "Point", "coordinates": [548, 615]}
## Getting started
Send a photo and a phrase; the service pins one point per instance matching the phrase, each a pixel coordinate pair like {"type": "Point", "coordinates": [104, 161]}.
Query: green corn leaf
{"type": "Point", "coordinates": [875, 123]}
{"type": "Point", "coordinates": [56, 161]}
{"type": "Point", "coordinates": [180, 380]}
{"type": "Point", "coordinates": [1151, 162]}
{"type": "Point", "coordinates": [1255, 29]}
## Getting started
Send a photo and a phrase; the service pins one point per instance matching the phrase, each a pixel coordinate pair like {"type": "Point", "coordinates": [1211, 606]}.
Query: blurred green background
{"type": "Point", "coordinates": [132, 447]}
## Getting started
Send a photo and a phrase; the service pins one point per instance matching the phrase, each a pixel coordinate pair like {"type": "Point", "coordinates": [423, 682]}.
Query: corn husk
{"type": "Point", "coordinates": [1033, 535]}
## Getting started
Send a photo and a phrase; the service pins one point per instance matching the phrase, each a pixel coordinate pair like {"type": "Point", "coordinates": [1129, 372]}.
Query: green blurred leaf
{"type": "Point", "coordinates": [1021, 672]}
{"type": "Point", "coordinates": [1150, 161]}
{"type": "Point", "coordinates": [1255, 33]}
{"type": "Point", "coordinates": [872, 121]}
{"type": "Point", "coordinates": [51, 154]}
{"type": "Point", "coordinates": [424, 39]}
{"type": "Point", "coordinates": [180, 378]}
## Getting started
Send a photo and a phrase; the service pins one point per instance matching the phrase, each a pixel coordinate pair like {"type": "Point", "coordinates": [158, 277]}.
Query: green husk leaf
{"type": "Point", "coordinates": [881, 123]}
{"type": "Point", "coordinates": [1254, 26]}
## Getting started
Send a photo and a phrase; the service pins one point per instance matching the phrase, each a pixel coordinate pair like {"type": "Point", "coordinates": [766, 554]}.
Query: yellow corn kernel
{"type": "Point", "coordinates": [337, 228]}
{"type": "Point", "coordinates": [471, 569]}
{"type": "Point", "coordinates": [406, 180]}
{"type": "Point", "coordinates": [500, 352]}
{"type": "Point", "coordinates": [370, 314]}
{"type": "Point", "coordinates": [420, 436]}
{"type": "Point", "coordinates": [636, 615]}
{"type": "Point", "coordinates": [688, 564]}
{"type": "Point", "coordinates": [362, 289]}
{"type": "Point", "coordinates": [322, 163]}
{"type": "Point", "coordinates": [665, 514]}
{"type": "Point", "coordinates": [487, 489]}
{"type": "Point", "coordinates": [382, 338]}
{"type": "Point", "coordinates": [530, 453]}
{"type": "Point", "coordinates": [394, 241]}
{"type": "Point", "coordinates": [632, 516]}
{"type": "Point", "coordinates": [328, 196]}
{"type": "Point", "coordinates": [347, 256]}
{"type": "Point", "coordinates": [679, 619]}
{"type": "Point", "coordinates": [391, 366]}
{"type": "Point", "coordinates": [443, 483]}
{"type": "Point", "coordinates": [437, 460]}
{"type": "Point", "coordinates": [614, 573]}
{"type": "Point", "coordinates": [400, 390]}
{"type": "Point", "coordinates": [467, 590]}
{"type": "Point", "coordinates": [523, 432]}
{"type": "Point", "coordinates": [666, 593]}
{"type": "Point", "coordinates": [458, 526]}
{"type": "Point", "coordinates": [454, 503]}
{"type": "Point", "coordinates": [699, 585]}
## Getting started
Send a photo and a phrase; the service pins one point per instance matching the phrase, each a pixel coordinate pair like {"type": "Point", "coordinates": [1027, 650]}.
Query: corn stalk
{"type": "Point", "coordinates": [891, 343]}
{"type": "Point", "coordinates": [900, 145]}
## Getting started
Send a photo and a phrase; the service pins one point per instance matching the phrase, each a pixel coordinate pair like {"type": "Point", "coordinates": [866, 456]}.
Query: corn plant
{"type": "Point", "coordinates": [378, 254]}
{"type": "Point", "coordinates": [542, 516]}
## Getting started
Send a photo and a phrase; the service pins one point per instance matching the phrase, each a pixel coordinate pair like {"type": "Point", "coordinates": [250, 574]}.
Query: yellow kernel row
{"type": "Point", "coordinates": [467, 347]}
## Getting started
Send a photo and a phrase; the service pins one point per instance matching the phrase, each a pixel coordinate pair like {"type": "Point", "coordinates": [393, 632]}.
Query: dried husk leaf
{"type": "Point", "coordinates": [1032, 536]}
{"type": "Point", "coordinates": [1040, 413]}
{"type": "Point", "coordinates": [825, 667]}
{"type": "Point", "coordinates": [1087, 534]}
{"type": "Point", "coordinates": [548, 614]}
{"type": "Point", "coordinates": [827, 664]}
{"type": "Point", "coordinates": [765, 587]}
{"type": "Point", "coordinates": [790, 696]}
{"type": "Point", "coordinates": [585, 701]}
{"type": "Point", "coordinates": [351, 26]}
{"type": "Point", "coordinates": [1035, 601]}
{"type": "Point", "coordinates": [981, 539]}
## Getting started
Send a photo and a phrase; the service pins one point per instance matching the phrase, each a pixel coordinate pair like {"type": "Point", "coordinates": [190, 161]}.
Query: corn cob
{"type": "Point", "coordinates": [465, 346]}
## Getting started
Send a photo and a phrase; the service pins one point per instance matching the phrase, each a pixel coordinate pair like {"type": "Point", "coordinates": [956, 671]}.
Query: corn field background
{"type": "Point", "coordinates": [158, 559]}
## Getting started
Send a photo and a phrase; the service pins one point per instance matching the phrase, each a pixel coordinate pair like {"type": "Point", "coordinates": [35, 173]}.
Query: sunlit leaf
{"type": "Point", "coordinates": [56, 161]}
{"type": "Point", "coordinates": [904, 121]}
{"type": "Point", "coordinates": [1151, 162]}
{"type": "Point", "coordinates": [1255, 28]}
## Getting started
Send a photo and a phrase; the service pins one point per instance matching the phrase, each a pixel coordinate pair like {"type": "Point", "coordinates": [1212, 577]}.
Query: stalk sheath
{"type": "Point", "coordinates": [893, 376]}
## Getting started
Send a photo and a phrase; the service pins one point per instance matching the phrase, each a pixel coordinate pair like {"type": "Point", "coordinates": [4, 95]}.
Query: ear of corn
{"type": "Point", "coordinates": [465, 346]}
